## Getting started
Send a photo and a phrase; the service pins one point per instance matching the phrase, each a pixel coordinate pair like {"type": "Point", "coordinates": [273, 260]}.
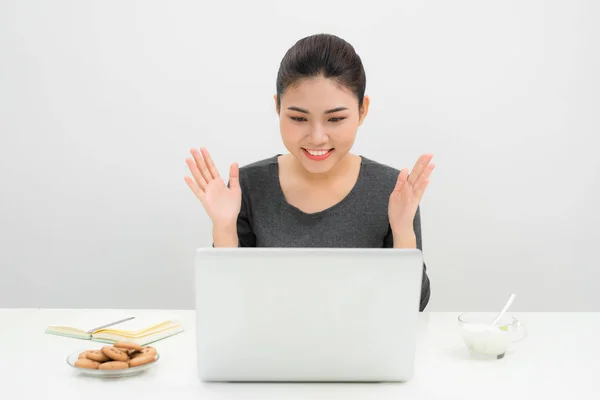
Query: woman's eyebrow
{"type": "Point", "coordinates": [293, 108]}
{"type": "Point", "coordinates": [335, 110]}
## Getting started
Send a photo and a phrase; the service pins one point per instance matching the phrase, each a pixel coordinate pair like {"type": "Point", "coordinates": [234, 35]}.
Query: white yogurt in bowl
{"type": "Point", "coordinates": [488, 341]}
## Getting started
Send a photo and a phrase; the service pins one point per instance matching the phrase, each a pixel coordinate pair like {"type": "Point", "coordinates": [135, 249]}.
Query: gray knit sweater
{"type": "Point", "coordinates": [266, 219]}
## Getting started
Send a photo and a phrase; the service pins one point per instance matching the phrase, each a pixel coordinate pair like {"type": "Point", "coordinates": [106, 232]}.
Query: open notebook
{"type": "Point", "coordinates": [130, 329]}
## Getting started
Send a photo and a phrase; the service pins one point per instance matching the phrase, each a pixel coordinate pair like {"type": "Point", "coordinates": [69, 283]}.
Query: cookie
{"type": "Point", "coordinates": [96, 355]}
{"type": "Point", "coordinates": [83, 355]}
{"type": "Point", "coordinates": [141, 360]}
{"type": "Point", "coordinates": [148, 350]}
{"type": "Point", "coordinates": [115, 354]}
{"type": "Point", "coordinates": [127, 346]}
{"type": "Point", "coordinates": [114, 365]}
{"type": "Point", "coordinates": [87, 363]}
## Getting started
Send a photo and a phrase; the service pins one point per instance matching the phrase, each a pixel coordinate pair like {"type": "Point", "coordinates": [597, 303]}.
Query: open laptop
{"type": "Point", "coordinates": [307, 314]}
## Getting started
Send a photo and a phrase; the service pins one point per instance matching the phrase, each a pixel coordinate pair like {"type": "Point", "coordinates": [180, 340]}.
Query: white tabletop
{"type": "Point", "coordinates": [559, 359]}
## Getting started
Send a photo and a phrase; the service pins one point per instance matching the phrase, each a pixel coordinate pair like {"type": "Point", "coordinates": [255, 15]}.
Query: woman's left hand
{"type": "Point", "coordinates": [407, 194]}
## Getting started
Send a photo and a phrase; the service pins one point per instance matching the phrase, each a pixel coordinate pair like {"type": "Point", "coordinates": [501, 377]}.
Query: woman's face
{"type": "Point", "coordinates": [318, 120]}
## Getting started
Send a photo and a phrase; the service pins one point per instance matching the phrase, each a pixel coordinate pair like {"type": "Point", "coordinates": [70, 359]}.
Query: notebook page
{"type": "Point", "coordinates": [140, 323]}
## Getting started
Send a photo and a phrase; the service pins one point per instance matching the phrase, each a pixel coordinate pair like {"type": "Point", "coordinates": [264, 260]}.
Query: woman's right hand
{"type": "Point", "coordinates": [221, 203]}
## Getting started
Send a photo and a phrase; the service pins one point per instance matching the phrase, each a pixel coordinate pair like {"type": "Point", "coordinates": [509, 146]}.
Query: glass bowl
{"type": "Point", "coordinates": [487, 341]}
{"type": "Point", "coordinates": [108, 373]}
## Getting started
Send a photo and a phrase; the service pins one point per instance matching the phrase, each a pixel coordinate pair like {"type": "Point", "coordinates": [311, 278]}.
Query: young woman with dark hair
{"type": "Point", "coordinates": [319, 194]}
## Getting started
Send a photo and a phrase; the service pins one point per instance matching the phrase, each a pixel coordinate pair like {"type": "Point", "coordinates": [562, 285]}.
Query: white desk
{"type": "Point", "coordinates": [559, 359]}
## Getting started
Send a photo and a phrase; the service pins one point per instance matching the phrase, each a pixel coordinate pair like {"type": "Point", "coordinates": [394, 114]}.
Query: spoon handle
{"type": "Point", "coordinates": [505, 308]}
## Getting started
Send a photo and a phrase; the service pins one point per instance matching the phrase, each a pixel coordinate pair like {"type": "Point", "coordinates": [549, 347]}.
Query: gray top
{"type": "Point", "coordinates": [266, 219]}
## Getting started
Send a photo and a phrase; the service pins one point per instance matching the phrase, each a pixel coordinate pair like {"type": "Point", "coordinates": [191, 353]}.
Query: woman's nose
{"type": "Point", "coordinates": [318, 135]}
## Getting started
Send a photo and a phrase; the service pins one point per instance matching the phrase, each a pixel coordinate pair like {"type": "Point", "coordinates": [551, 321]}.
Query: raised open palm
{"type": "Point", "coordinates": [221, 203]}
{"type": "Point", "coordinates": [406, 196]}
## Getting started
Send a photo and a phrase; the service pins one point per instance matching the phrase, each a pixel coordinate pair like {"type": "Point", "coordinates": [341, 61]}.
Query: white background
{"type": "Point", "coordinates": [101, 101]}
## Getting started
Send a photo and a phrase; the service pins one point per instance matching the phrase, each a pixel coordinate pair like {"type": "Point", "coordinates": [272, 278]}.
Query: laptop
{"type": "Point", "coordinates": [307, 314]}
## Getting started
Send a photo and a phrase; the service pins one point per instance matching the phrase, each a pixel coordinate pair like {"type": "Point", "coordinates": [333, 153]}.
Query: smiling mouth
{"type": "Point", "coordinates": [317, 154]}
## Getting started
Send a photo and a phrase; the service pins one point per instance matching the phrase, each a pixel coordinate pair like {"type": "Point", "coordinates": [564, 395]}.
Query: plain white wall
{"type": "Point", "coordinates": [101, 101]}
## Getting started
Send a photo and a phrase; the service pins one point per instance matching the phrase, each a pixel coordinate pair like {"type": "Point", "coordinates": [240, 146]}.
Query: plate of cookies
{"type": "Point", "coordinates": [114, 361]}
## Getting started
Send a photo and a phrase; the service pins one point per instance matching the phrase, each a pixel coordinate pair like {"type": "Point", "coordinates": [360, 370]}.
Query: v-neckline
{"type": "Point", "coordinates": [326, 210]}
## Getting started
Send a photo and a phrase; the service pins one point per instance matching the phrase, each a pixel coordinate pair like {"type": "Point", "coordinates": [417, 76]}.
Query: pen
{"type": "Point", "coordinates": [111, 324]}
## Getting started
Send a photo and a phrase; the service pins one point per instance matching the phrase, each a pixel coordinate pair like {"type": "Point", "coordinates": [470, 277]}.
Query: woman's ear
{"type": "Point", "coordinates": [276, 105]}
{"type": "Point", "coordinates": [364, 110]}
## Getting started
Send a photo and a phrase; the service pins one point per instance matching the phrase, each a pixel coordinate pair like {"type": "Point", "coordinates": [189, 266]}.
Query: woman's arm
{"type": "Point", "coordinates": [245, 233]}
{"type": "Point", "coordinates": [239, 234]}
{"type": "Point", "coordinates": [225, 236]}
{"type": "Point", "coordinates": [412, 240]}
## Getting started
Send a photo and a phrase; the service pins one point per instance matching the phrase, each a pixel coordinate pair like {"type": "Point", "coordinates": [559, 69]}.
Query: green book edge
{"type": "Point", "coordinates": [88, 337]}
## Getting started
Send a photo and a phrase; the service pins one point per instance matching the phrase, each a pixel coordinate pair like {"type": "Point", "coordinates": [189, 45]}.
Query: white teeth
{"type": "Point", "coordinates": [317, 153]}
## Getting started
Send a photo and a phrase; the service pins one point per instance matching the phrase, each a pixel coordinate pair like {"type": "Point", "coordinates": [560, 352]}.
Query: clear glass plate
{"type": "Point", "coordinates": [107, 373]}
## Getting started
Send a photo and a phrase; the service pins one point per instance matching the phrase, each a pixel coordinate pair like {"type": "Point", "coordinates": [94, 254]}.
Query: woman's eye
{"type": "Point", "coordinates": [298, 119]}
{"type": "Point", "coordinates": [337, 119]}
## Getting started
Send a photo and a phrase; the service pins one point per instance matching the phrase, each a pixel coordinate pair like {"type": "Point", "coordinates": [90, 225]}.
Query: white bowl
{"type": "Point", "coordinates": [487, 341]}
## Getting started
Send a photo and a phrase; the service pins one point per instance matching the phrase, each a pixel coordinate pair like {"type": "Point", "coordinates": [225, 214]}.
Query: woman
{"type": "Point", "coordinates": [320, 194]}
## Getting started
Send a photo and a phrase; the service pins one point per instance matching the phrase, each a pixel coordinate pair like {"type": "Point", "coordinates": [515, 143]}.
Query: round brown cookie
{"type": "Point", "coordinates": [114, 365]}
{"type": "Point", "coordinates": [87, 363]}
{"type": "Point", "coordinates": [144, 359]}
{"type": "Point", "coordinates": [128, 346]}
{"type": "Point", "coordinates": [97, 355]}
{"type": "Point", "coordinates": [148, 350]}
{"type": "Point", "coordinates": [83, 355]}
{"type": "Point", "coordinates": [136, 355]}
{"type": "Point", "coordinates": [115, 354]}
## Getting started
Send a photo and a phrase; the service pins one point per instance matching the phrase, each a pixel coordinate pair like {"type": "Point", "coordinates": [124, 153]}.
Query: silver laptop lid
{"type": "Point", "coordinates": [285, 314]}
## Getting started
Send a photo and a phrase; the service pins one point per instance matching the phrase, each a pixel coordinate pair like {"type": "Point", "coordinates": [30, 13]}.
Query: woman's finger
{"type": "Point", "coordinates": [425, 175]}
{"type": "Point", "coordinates": [420, 186]}
{"type": "Point", "coordinates": [419, 167]}
{"type": "Point", "coordinates": [200, 181]}
{"type": "Point", "coordinates": [419, 189]}
{"type": "Point", "coordinates": [402, 178]}
{"type": "Point", "coordinates": [201, 164]}
{"type": "Point", "coordinates": [195, 188]}
{"type": "Point", "coordinates": [212, 168]}
{"type": "Point", "coordinates": [234, 176]}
